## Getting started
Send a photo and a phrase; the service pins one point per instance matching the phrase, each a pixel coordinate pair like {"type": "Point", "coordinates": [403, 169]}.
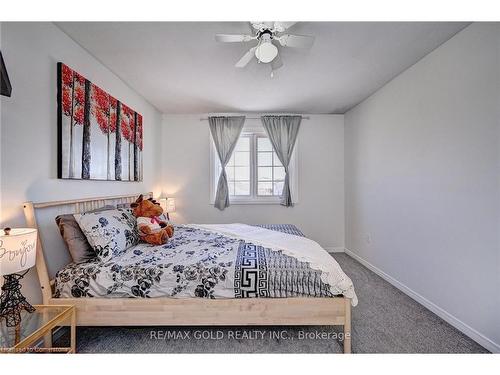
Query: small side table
{"type": "Point", "coordinates": [38, 326]}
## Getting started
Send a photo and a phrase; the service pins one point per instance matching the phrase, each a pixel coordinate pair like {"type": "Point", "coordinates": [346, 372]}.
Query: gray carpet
{"type": "Point", "coordinates": [385, 321]}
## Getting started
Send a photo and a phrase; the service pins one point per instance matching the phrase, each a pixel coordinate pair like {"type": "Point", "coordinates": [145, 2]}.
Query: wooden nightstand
{"type": "Point", "coordinates": [37, 327]}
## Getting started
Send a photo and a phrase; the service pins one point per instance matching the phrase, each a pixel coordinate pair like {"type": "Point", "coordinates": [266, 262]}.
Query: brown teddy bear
{"type": "Point", "coordinates": [151, 228]}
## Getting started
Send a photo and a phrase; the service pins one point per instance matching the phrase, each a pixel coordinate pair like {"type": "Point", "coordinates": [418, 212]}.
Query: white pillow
{"type": "Point", "coordinates": [109, 232]}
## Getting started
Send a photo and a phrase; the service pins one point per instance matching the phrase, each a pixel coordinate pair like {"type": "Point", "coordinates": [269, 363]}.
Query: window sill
{"type": "Point", "coordinates": [253, 202]}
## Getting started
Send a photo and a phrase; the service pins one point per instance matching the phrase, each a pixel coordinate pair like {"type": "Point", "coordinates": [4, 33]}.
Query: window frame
{"type": "Point", "coordinates": [251, 175]}
{"type": "Point", "coordinates": [256, 166]}
{"type": "Point", "coordinates": [253, 132]}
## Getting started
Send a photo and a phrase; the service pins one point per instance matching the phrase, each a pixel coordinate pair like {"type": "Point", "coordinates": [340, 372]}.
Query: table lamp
{"type": "Point", "coordinates": [168, 205]}
{"type": "Point", "coordinates": [17, 254]}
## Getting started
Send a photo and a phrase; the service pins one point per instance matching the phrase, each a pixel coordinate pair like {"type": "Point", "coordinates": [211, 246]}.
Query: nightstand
{"type": "Point", "coordinates": [37, 328]}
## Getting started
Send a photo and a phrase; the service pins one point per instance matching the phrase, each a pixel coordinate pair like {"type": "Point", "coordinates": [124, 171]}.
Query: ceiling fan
{"type": "Point", "coordinates": [269, 35]}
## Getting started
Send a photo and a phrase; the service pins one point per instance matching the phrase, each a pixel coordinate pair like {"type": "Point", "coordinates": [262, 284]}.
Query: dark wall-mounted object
{"type": "Point", "coordinates": [6, 88]}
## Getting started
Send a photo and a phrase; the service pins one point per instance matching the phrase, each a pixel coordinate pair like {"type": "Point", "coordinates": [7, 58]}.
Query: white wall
{"type": "Point", "coordinates": [320, 210]}
{"type": "Point", "coordinates": [422, 181]}
{"type": "Point", "coordinates": [29, 124]}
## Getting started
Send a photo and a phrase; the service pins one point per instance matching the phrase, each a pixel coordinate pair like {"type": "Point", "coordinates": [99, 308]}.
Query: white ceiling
{"type": "Point", "coordinates": [179, 67]}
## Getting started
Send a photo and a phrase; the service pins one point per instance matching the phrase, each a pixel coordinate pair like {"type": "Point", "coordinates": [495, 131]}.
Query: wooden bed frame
{"type": "Point", "coordinates": [189, 311]}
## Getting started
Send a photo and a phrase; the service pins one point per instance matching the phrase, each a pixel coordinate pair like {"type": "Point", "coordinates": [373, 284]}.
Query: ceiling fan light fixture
{"type": "Point", "coordinates": [266, 52]}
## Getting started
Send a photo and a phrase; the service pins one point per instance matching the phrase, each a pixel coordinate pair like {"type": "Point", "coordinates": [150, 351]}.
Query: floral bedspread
{"type": "Point", "coordinates": [195, 263]}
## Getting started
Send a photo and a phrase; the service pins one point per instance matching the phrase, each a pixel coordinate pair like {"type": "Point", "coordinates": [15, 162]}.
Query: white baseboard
{"type": "Point", "coordinates": [446, 316]}
{"type": "Point", "coordinates": [331, 249]}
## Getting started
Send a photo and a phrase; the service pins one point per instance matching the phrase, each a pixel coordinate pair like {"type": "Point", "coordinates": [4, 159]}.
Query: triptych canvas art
{"type": "Point", "coordinates": [100, 138]}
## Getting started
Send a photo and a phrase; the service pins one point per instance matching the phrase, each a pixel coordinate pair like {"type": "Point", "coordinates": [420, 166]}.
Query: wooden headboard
{"type": "Point", "coordinates": [51, 252]}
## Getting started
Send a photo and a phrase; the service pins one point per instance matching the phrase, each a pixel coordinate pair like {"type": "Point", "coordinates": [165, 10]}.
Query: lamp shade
{"type": "Point", "coordinates": [168, 204]}
{"type": "Point", "coordinates": [17, 250]}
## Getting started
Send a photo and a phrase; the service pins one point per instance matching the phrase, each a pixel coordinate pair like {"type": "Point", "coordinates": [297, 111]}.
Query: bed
{"type": "Point", "coordinates": [206, 275]}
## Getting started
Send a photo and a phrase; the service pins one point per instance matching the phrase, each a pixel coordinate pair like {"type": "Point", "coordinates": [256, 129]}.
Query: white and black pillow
{"type": "Point", "coordinates": [110, 232]}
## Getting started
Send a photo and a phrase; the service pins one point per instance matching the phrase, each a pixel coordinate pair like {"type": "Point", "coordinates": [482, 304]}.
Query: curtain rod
{"type": "Point", "coordinates": [253, 118]}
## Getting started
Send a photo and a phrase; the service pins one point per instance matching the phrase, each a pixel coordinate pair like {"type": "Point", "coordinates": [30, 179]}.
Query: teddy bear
{"type": "Point", "coordinates": [151, 228]}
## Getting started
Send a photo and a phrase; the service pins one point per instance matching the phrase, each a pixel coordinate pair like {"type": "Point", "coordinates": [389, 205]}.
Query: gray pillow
{"type": "Point", "coordinates": [78, 246]}
{"type": "Point", "coordinates": [123, 205]}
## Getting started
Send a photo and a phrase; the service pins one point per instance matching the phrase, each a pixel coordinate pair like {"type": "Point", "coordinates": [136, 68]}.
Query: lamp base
{"type": "Point", "coordinates": [12, 302]}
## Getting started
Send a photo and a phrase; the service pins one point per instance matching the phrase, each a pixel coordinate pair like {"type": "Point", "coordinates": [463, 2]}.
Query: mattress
{"type": "Point", "coordinates": [200, 263]}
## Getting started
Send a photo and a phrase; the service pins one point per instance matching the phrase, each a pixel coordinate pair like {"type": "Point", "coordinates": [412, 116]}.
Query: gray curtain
{"type": "Point", "coordinates": [225, 132]}
{"type": "Point", "coordinates": [283, 131]}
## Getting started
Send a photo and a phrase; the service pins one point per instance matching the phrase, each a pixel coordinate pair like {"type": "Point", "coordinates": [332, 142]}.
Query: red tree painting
{"type": "Point", "coordinates": [99, 137]}
{"type": "Point", "coordinates": [128, 134]}
{"type": "Point", "coordinates": [101, 110]}
{"type": "Point", "coordinates": [73, 104]}
{"type": "Point", "coordinates": [138, 148]}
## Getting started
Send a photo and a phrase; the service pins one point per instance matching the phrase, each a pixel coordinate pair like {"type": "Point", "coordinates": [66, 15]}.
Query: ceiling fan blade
{"type": "Point", "coordinates": [259, 25]}
{"type": "Point", "coordinates": [256, 24]}
{"type": "Point", "coordinates": [252, 27]}
{"type": "Point", "coordinates": [282, 26]}
{"type": "Point", "coordinates": [276, 63]}
{"type": "Point", "coordinates": [246, 58]}
{"type": "Point", "coordinates": [231, 38]}
{"type": "Point", "coordinates": [296, 41]}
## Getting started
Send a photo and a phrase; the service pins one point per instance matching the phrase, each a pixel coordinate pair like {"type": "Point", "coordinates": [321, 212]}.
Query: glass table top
{"type": "Point", "coordinates": [30, 323]}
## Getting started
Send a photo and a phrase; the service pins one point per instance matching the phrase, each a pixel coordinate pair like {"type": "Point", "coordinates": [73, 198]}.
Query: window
{"type": "Point", "coordinates": [238, 169]}
{"type": "Point", "coordinates": [254, 172]}
{"type": "Point", "coordinates": [270, 171]}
